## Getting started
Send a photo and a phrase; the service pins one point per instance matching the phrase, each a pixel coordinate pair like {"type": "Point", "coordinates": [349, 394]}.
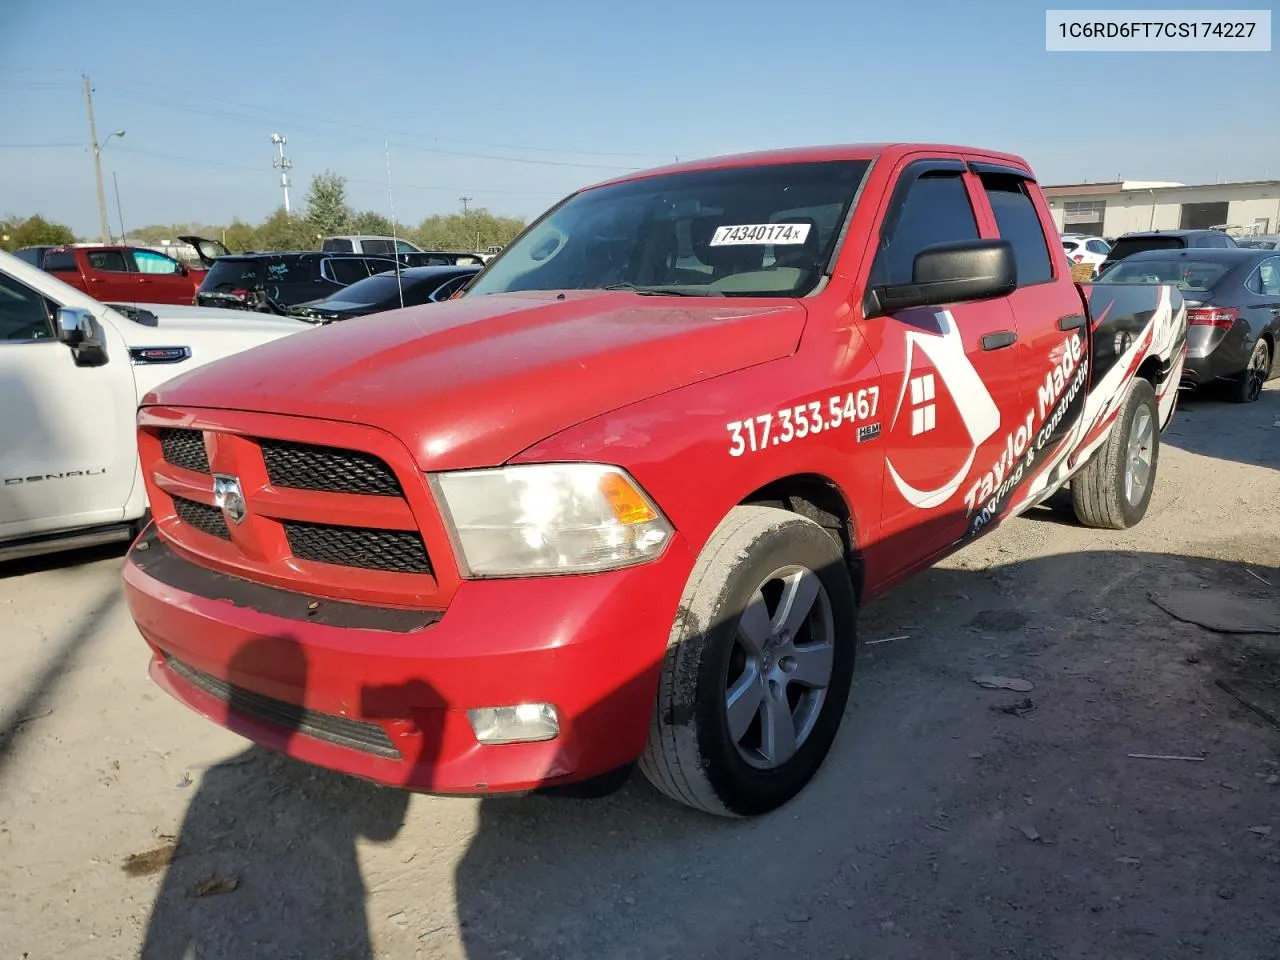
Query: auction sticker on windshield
{"type": "Point", "coordinates": [728, 236]}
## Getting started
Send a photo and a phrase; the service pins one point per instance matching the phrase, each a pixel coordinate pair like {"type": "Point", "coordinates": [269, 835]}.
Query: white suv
{"type": "Point", "coordinates": [363, 243]}
{"type": "Point", "coordinates": [1082, 248]}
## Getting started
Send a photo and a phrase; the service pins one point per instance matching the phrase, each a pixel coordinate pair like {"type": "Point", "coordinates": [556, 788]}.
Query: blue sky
{"type": "Point", "coordinates": [516, 104]}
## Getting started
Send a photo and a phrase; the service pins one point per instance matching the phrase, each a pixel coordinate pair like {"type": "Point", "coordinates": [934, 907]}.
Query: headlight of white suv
{"type": "Point", "coordinates": [549, 518]}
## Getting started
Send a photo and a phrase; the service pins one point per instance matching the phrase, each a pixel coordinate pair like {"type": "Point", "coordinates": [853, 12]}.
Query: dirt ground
{"type": "Point", "coordinates": [949, 821]}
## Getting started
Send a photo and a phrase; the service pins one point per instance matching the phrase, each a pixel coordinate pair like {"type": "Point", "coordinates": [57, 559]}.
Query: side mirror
{"type": "Point", "coordinates": [80, 331]}
{"type": "Point", "coordinates": [945, 273]}
{"type": "Point", "coordinates": [183, 269]}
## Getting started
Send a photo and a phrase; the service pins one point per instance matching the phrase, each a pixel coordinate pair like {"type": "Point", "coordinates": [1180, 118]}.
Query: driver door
{"type": "Point", "coordinates": [161, 279]}
{"type": "Point", "coordinates": [952, 403]}
{"type": "Point", "coordinates": [67, 448]}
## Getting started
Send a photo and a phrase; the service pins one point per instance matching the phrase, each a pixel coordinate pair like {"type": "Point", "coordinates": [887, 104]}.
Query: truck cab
{"type": "Point", "coordinates": [619, 503]}
{"type": "Point", "coordinates": [124, 274]}
{"type": "Point", "coordinates": [72, 371]}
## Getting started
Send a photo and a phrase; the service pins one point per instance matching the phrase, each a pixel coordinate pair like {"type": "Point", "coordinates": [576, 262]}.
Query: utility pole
{"type": "Point", "coordinates": [282, 163]}
{"type": "Point", "coordinates": [97, 161]}
{"type": "Point", "coordinates": [465, 201]}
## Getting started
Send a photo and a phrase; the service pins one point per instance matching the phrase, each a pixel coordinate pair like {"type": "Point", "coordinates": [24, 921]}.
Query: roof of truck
{"type": "Point", "coordinates": [850, 151]}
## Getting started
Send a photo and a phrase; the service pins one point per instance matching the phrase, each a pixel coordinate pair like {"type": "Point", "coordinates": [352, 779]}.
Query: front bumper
{"type": "Point", "coordinates": [383, 693]}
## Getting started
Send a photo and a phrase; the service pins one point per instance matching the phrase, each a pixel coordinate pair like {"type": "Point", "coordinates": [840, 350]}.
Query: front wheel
{"type": "Point", "coordinates": [1249, 387]}
{"type": "Point", "coordinates": [1114, 488]}
{"type": "Point", "coordinates": [758, 666]}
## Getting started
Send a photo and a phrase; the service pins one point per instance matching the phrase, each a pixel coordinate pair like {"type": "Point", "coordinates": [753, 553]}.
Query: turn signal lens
{"type": "Point", "coordinates": [629, 504]}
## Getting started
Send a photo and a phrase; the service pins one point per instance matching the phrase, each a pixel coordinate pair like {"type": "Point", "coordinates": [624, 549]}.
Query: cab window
{"type": "Point", "coordinates": [1019, 223]}
{"type": "Point", "coordinates": [936, 209]}
{"type": "Point", "coordinates": [60, 261]}
{"type": "Point", "coordinates": [24, 314]}
{"type": "Point", "coordinates": [107, 261]}
{"type": "Point", "coordinates": [148, 261]}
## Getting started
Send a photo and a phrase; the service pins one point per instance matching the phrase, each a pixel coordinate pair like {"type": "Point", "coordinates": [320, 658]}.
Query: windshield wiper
{"type": "Point", "coordinates": [662, 291]}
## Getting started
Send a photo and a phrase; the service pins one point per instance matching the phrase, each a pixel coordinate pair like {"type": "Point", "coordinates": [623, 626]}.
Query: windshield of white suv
{"type": "Point", "coordinates": [762, 231]}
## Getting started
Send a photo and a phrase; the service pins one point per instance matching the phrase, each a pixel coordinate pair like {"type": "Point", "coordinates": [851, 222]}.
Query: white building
{"type": "Point", "coordinates": [1124, 206]}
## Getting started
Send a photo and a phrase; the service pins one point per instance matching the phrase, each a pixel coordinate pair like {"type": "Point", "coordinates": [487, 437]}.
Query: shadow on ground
{"type": "Point", "coordinates": [1210, 426]}
{"type": "Point", "coordinates": [950, 820]}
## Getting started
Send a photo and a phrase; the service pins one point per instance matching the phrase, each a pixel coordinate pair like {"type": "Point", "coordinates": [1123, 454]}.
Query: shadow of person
{"type": "Point", "coordinates": [265, 862]}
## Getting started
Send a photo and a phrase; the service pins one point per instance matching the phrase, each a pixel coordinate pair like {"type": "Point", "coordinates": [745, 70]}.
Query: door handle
{"type": "Point", "coordinates": [999, 340]}
{"type": "Point", "coordinates": [1072, 321]}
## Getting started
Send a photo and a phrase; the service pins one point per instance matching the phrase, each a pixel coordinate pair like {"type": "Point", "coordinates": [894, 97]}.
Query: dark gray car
{"type": "Point", "coordinates": [1233, 311]}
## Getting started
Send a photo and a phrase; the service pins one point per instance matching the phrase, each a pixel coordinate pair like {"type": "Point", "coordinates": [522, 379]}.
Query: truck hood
{"type": "Point", "coordinates": [173, 320]}
{"type": "Point", "coordinates": [472, 382]}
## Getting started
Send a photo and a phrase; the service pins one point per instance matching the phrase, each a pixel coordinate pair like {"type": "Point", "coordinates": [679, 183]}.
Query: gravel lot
{"type": "Point", "coordinates": [949, 821]}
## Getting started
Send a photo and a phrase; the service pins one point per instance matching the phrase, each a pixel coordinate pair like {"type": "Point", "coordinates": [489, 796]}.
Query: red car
{"type": "Point", "coordinates": [621, 500]}
{"type": "Point", "coordinates": [116, 274]}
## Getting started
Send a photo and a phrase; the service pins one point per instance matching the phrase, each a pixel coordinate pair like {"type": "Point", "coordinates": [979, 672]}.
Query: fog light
{"type": "Point", "coordinates": [523, 723]}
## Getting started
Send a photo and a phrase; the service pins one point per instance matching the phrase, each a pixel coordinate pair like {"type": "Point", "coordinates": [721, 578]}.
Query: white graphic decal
{"type": "Point", "coordinates": [925, 415]}
{"type": "Point", "coordinates": [978, 412]}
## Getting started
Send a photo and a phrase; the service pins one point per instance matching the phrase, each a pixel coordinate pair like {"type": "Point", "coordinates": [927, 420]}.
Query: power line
{"type": "Point", "coordinates": [204, 162]}
{"type": "Point", "coordinates": [38, 146]}
{"type": "Point", "coordinates": [187, 108]}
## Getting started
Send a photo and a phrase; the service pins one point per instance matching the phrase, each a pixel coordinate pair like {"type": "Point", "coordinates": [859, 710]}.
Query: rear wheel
{"type": "Point", "coordinates": [758, 666]}
{"type": "Point", "coordinates": [1114, 488]}
{"type": "Point", "coordinates": [1249, 387]}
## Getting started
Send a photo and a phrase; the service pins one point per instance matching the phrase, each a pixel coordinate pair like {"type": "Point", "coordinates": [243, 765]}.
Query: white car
{"type": "Point", "coordinates": [72, 371]}
{"type": "Point", "coordinates": [1082, 248]}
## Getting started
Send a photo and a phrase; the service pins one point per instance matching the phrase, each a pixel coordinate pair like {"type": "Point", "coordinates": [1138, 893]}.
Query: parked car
{"type": "Point", "coordinates": [1081, 248]}
{"type": "Point", "coordinates": [33, 255]}
{"type": "Point", "coordinates": [365, 243]}
{"type": "Point", "coordinates": [387, 291]}
{"type": "Point", "coordinates": [1259, 242]}
{"type": "Point", "coordinates": [72, 371]}
{"type": "Point", "coordinates": [1131, 243]}
{"type": "Point", "coordinates": [273, 282]}
{"type": "Point", "coordinates": [409, 254]}
{"type": "Point", "coordinates": [124, 274]}
{"type": "Point", "coordinates": [621, 501]}
{"type": "Point", "coordinates": [1233, 311]}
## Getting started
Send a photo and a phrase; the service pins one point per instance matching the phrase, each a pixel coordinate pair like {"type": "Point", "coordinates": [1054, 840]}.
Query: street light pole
{"type": "Point", "coordinates": [97, 162]}
{"type": "Point", "coordinates": [97, 159]}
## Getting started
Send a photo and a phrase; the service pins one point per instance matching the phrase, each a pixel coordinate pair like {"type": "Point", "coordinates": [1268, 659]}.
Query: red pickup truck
{"type": "Point", "coordinates": [621, 501]}
{"type": "Point", "coordinates": [124, 274]}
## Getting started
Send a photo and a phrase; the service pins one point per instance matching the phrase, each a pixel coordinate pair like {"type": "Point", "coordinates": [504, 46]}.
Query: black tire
{"type": "Point", "coordinates": [1100, 493]}
{"type": "Point", "coordinates": [691, 755]}
{"type": "Point", "coordinates": [1249, 387]}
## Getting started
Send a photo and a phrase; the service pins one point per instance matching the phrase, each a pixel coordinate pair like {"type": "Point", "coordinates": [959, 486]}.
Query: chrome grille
{"type": "Point", "coordinates": [396, 551]}
{"type": "Point", "coordinates": [185, 448]}
{"type": "Point", "coordinates": [304, 466]}
{"type": "Point", "coordinates": [202, 517]}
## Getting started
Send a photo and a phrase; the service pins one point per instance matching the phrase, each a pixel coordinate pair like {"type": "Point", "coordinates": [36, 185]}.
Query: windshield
{"type": "Point", "coordinates": [761, 231]}
{"type": "Point", "coordinates": [1186, 275]}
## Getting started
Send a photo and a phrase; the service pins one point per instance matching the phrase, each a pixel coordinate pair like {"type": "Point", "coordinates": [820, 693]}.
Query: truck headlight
{"type": "Point", "coordinates": [549, 518]}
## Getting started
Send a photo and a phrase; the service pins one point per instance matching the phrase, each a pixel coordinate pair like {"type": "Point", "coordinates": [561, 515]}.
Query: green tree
{"type": "Point", "coordinates": [284, 231]}
{"type": "Point", "coordinates": [34, 231]}
{"type": "Point", "coordinates": [372, 222]}
{"type": "Point", "coordinates": [238, 236]}
{"type": "Point", "coordinates": [473, 230]}
{"type": "Point", "coordinates": [327, 209]}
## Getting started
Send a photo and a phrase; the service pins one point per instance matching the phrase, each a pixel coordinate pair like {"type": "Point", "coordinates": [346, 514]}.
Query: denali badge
{"type": "Point", "coordinates": [228, 495]}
